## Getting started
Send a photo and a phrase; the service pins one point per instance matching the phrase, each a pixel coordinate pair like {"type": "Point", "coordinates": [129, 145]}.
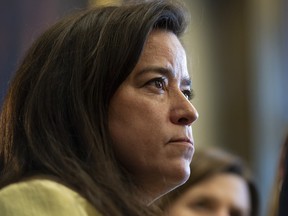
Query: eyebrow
{"type": "Point", "coordinates": [185, 81]}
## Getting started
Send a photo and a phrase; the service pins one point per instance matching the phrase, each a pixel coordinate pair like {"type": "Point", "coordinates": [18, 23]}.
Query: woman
{"type": "Point", "coordinates": [219, 184]}
{"type": "Point", "coordinates": [97, 120]}
{"type": "Point", "coordinates": [273, 202]}
{"type": "Point", "coordinates": [278, 202]}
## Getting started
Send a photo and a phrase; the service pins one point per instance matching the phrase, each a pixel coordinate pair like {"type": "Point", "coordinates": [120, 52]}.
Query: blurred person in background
{"type": "Point", "coordinates": [281, 184]}
{"type": "Point", "coordinates": [219, 185]}
{"type": "Point", "coordinates": [278, 182]}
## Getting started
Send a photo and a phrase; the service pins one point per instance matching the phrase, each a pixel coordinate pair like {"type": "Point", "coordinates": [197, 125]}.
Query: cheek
{"type": "Point", "coordinates": [131, 120]}
{"type": "Point", "coordinates": [135, 127]}
{"type": "Point", "coordinates": [133, 115]}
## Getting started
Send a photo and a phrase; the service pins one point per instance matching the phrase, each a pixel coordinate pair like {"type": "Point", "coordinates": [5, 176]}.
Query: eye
{"type": "Point", "coordinates": [188, 94]}
{"type": "Point", "coordinates": [159, 83]}
{"type": "Point", "coordinates": [201, 205]}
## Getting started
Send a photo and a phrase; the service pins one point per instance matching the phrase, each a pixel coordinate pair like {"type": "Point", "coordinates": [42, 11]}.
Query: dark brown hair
{"type": "Point", "coordinates": [54, 118]}
{"type": "Point", "coordinates": [207, 163]}
{"type": "Point", "coordinates": [278, 198]}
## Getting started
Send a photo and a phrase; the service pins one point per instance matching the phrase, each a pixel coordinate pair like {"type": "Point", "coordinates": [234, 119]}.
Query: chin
{"type": "Point", "coordinates": [171, 178]}
{"type": "Point", "coordinates": [182, 174]}
{"type": "Point", "coordinates": [178, 177]}
{"type": "Point", "coordinates": [183, 178]}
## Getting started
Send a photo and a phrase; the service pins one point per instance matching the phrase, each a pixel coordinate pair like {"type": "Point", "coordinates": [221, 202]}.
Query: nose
{"type": "Point", "coordinates": [183, 112]}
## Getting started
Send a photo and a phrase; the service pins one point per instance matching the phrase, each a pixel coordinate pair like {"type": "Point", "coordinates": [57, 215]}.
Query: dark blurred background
{"type": "Point", "coordinates": [237, 52]}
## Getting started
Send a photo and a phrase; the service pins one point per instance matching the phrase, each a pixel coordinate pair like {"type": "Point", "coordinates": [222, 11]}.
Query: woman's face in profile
{"type": "Point", "coordinates": [150, 116]}
{"type": "Point", "coordinates": [221, 195]}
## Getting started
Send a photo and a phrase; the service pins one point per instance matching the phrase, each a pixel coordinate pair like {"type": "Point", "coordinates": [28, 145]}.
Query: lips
{"type": "Point", "coordinates": [182, 140]}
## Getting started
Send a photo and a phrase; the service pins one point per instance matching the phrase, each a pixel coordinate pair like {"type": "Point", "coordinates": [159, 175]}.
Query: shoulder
{"type": "Point", "coordinates": [43, 197]}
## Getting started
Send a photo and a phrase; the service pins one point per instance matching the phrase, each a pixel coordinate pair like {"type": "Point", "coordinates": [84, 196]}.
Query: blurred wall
{"type": "Point", "coordinates": [269, 97]}
{"type": "Point", "coordinates": [239, 73]}
{"type": "Point", "coordinates": [21, 21]}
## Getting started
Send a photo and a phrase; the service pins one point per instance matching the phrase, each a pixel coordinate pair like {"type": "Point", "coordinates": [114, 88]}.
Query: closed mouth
{"type": "Point", "coordinates": [182, 140]}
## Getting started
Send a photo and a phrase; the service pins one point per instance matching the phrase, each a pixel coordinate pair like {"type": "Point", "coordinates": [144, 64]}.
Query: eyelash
{"type": "Point", "coordinates": [161, 80]}
{"type": "Point", "coordinates": [188, 93]}
{"type": "Point", "coordinates": [157, 81]}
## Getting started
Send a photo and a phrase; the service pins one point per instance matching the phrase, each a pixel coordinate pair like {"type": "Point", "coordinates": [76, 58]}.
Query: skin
{"type": "Point", "coordinates": [221, 195]}
{"type": "Point", "coordinates": [150, 117]}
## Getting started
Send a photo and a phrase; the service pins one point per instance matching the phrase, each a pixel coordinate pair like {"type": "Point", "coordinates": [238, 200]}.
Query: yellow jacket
{"type": "Point", "coordinates": [43, 197]}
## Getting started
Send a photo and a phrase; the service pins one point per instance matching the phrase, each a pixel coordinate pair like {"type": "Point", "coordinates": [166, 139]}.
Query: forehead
{"type": "Point", "coordinates": [166, 42]}
{"type": "Point", "coordinates": [164, 49]}
{"type": "Point", "coordinates": [163, 39]}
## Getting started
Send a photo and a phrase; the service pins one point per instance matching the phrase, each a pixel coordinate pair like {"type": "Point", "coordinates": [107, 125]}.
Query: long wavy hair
{"type": "Point", "coordinates": [55, 116]}
{"type": "Point", "coordinates": [207, 163]}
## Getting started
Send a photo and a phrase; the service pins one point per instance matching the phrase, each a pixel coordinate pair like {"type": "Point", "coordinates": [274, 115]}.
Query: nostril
{"type": "Point", "coordinates": [183, 121]}
{"type": "Point", "coordinates": [188, 118]}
